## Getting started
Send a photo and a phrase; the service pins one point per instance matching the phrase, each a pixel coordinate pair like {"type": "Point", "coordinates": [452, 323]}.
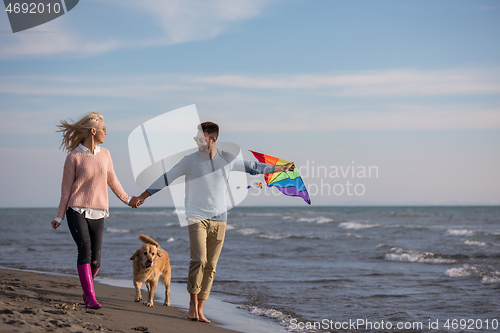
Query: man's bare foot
{"type": "Point", "coordinates": [203, 319]}
{"type": "Point", "coordinates": [193, 308]}
{"type": "Point", "coordinates": [201, 316]}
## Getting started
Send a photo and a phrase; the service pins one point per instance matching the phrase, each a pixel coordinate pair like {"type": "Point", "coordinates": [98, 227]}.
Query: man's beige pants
{"type": "Point", "coordinates": [206, 238]}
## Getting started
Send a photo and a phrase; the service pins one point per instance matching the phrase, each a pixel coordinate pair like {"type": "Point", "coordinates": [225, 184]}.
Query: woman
{"type": "Point", "coordinates": [88, 171]}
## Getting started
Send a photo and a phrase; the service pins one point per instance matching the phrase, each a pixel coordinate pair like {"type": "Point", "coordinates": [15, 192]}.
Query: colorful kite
{"type": "Point", "coordinates": [289, 183]}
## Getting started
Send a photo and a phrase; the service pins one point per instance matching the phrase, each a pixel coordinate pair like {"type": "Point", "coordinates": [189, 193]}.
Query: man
{"type": "Point", "coordinates": [207, 172]}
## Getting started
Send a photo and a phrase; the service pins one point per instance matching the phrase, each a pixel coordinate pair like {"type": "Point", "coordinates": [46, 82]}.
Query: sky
{"type": "Point", "coordinates": [408, 90]}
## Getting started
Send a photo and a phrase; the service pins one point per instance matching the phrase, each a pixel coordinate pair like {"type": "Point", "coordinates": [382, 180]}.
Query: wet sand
{"type": "Point", "coordinates": [38, 302]}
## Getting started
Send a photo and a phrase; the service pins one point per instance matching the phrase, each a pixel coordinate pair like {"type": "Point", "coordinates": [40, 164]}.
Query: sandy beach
{"type": "Point", "coordinates": [38, 302]}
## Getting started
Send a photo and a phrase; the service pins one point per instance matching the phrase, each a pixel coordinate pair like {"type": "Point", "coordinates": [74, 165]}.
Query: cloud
{"type": "Point", "coordinates": [363, 84]}
{"type": "Point", "coordinates": [421, 118]}
{"type": "Point", "coordinates": [106, 86]}
{"type": "Point", "coordinates": [247, 106]}
{"type": "Point", "coordinates": [192, 20]}
{"type": "Point", "coordinates": [59, 38]}
{"type": "Point", "coordinates": [372, 83]}
{"type": "Point", "coordinates": [118, 24]}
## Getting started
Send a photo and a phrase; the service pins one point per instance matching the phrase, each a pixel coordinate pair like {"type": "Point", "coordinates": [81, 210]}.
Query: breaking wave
{"type": "Point", "coordinates": [487, 276]}
{"type": "Point", "coordinates": [357, 225]}
{"type": "Point", "coordinates": [401, 255]}
{"type": "Point", "coordinates": [459, 232]}
{"type": "Point", "coordinates": [276, 315]}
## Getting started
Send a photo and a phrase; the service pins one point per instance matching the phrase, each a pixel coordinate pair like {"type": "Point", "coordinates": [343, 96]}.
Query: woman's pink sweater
{"type": "Point", "coordinates": [85, 182]}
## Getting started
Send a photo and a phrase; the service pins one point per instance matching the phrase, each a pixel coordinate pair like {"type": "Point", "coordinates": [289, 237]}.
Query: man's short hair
{"type": "Point", "coordinates": [212, 129]}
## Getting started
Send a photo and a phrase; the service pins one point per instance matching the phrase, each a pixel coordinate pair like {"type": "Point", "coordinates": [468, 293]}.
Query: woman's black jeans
{"type": "Point", "coordinates": [88, 234]}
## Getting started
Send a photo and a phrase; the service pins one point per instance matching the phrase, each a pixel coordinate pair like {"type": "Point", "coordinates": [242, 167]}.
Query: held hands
{"type": "Point", "coordinates": [135, 202]}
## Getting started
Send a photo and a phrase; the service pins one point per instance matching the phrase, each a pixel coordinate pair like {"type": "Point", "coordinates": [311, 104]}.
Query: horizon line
{"type": "Point", "coordinates": [299, 206]}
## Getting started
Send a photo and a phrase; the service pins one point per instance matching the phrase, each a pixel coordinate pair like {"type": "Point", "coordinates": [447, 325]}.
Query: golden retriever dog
{"type": "Point", "coordinates": [150, 263]}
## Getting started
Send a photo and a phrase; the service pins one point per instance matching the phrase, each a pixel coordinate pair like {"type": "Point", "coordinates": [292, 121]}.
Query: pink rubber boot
{"type": "Point", "coordinates": [94, 272]}
{"type": "Point", "coordinates": [85, 274]}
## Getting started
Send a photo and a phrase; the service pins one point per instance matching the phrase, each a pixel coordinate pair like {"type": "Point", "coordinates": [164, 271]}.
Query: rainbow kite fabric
{"type": "Point", "coordinates": [289, 183]}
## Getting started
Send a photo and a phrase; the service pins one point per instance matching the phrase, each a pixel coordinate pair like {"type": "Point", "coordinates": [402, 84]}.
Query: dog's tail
{"type": "Point", "coordinates": [148, 240]}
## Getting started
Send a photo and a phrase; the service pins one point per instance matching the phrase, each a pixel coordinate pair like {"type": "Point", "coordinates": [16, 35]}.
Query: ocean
{"type": "Point", "coordinates": [308, 269]}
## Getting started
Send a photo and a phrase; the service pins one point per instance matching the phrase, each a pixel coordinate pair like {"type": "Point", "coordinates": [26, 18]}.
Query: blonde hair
{"type": "Point", "coordinates": [76, 132]}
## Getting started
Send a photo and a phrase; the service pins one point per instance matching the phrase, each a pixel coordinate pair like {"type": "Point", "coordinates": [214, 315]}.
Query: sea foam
{"type": "Point", "coordinates": [318, 220]}
{"type": "Point", "coordinates": [481, 244]}
{"type": "Point", "coordinates": [465, 270]}
{"type": "Point", "coordinates": [491, 279]}
{"type": "Point", "coordinates": [459, 232]}
{"type": "Point", "coordinates": [117, 231]}
{"type": "Point", "coordinates": [273, 236]}
{"type": "Point", "coordinates": [487, 276]}
{"type": "Point", "coordinates": [280, 317]}
{"type": "Point", "coordinates": [248, 231]}
{"type": "Point", "coordinates": [357, 225]}
{"type": "Point", "coordinates": [475, 243]}
{"type": "Point", "coordinates": [409, 256]}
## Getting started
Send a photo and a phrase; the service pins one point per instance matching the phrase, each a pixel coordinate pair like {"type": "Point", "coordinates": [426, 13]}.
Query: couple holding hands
{"type": "Point", "coordinates": [88, 171]}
